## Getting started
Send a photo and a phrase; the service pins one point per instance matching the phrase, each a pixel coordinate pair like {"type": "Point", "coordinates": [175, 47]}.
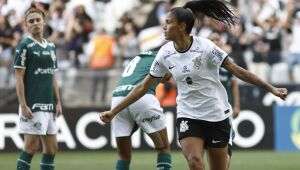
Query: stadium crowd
{"type": "Point", "coordinates": [96, 38]}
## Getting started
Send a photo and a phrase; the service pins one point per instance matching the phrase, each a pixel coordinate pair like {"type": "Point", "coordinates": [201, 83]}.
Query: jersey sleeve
{"type": "Point", "coordinates": [157, 68]}
{"type": "Point", "coordinates": [21, 56]}
{"type": "Point", "coordinates": [217, 55]}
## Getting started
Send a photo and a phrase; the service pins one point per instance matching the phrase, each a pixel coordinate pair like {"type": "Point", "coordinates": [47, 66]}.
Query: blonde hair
{"type": "Point", "coordinates": [35, 10]}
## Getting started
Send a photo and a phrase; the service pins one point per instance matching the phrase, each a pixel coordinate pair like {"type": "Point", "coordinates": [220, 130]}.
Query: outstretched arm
{"type": "Point", "coordinates": [235, 98]}
{"type": "Point", "coordinates": [253, 79]}
{"type": "Point", "coordinates": [133, 96]}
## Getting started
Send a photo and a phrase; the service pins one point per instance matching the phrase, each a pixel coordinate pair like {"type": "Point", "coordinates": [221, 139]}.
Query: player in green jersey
{"type": "Point", "coordinates": [145, 113]}
{"type": "Point", "coordinates": [37, 90]}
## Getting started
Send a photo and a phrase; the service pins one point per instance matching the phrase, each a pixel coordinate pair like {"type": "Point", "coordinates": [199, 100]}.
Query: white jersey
{"type": "Point", "coordinates": [201, 95]}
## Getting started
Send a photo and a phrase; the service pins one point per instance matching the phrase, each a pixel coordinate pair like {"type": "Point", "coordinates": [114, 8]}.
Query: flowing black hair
{"type": "Point", "coordinates": [214, 9]}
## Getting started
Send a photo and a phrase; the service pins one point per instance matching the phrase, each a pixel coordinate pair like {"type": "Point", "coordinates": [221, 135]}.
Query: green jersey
{"type": "Point", "coordinates": [40, 63]}
{"type": "Point", "coordinates": [136, 70]}
{"type": "Point", "coordinates": [226, 78]}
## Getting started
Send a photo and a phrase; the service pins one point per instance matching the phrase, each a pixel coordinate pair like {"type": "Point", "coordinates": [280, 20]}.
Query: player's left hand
{"type": "Point", "coordinates": [58, 110]}
{"type": "Point", "coordinates": [106, 116]}
{"type": "Point", "coordinates": [280, 92]}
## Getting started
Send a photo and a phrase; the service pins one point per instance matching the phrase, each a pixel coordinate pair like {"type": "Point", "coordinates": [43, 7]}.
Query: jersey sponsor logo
{"type": "Point", "coordinates": [184, 126]}
{"type": "Point", "coordinates": [36, 53]}
{"type": "Point", "coordinates": [196, 50]}
{"type": "Point", "coordinates": [46, 53]}
{"type": "Point", "coordinates": [53, 56]}
{"type": "Point", "coordinates": [155, 67]}
{"type": "Point", "coordinates": [189, 80]}
{"type": "Point", "coordinates": [169, 54]}
{"type": "Point", "coordinates": [185, 69]}
{"type": "Point", "coordinates": [123, 88]}
{"type": "Point", "coordinates": [43, 106]}
{"type": "Point", "coordinates": [150, 119]}
{"type": "Point", "coordinates": [23, 57]}
{"type": "Point", "coordinates": [44, 71]}
{"type": "Point", "coordinates": [217, 53]}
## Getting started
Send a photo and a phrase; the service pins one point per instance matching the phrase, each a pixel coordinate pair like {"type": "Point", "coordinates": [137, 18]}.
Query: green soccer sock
{"type": "Point", "coordinates": [164, 161]}
{"type": "Point", "coordinates": [122, 165]}
{"type": "Point", "coordinates": [24, 161]}
{"type": "Point", "coordinates": [47, 162]}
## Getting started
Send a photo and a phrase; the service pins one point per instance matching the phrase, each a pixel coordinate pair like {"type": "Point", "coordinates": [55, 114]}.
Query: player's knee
{"type": "Point", "coordinates": [52, 150]}
{"type": "Point", "coordinates": [195, 162]}
{"type": "Point", "coordinates": [31, 148]}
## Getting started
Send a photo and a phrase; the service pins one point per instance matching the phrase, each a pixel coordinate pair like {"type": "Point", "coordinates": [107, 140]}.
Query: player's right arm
{"type": "Point", "coordinates": [19, 73]}
{"type": "Point", "coordinates": [139, 91]}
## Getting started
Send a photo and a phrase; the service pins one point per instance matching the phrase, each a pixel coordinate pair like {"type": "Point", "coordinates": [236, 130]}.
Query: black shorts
{"type": "Point", "coordinates": [214, 134]}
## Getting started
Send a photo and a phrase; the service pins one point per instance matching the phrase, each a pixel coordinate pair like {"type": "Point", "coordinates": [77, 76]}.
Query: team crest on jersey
{"type": "Point", "coordinates": [37, 125]}
{"type": "Point", "coordinates": [197, 62]}
{"type": "Point", "coordinates": [53, 56]}
{"type": "Point", "coordinates": [184, 126]}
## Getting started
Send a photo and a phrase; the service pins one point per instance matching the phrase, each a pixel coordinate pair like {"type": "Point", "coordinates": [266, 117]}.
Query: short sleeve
{"type": "Point", "coordinates": [20, 56]}
{"type": "Point", "coordinates": [157, 68]}
{"type": "Point", "coordinates": [217, 54]}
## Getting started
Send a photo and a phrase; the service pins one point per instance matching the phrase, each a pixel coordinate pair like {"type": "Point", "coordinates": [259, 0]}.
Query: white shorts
{"type": "Point", "coordinates": [146, 113]}
{"type": "Point", "coordinates": [42, 123]}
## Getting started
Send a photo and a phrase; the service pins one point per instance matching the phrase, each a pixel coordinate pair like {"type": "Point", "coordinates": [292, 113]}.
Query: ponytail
{"type": "Point", "coordinates": [214, 9]}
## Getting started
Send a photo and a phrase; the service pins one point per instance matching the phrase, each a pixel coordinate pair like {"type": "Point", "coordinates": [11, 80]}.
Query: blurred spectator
{"type": "Point", "coordinates": [259, 48]}
{"type": "Point", "coordinates": [100, 50]}
{"type": "Point", "coordinates": [273, 36]}
{"type": "Point", "coordinates": [8, 41]}
{"type": "Point", "coordinates": [58, 23]}
{"type": "Point", "coordinates": [238, 41]}
{"type": "Point", "coordinates": [206, 27]}
{"type": "Point", "coordinates": [216, 38]}
{"type": "Point", "coordinates": [294, 49]}
{"type": "Point", "coordinates": [3, 8]}
{"type": "Point", "coordinates": [166, 93]}
{"type": "Point", "coordinates": [78, 28]}
{"type": "Point", "coordinates": [128, 42]}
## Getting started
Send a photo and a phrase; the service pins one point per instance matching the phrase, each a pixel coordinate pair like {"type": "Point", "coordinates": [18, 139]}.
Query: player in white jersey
{"type": "Point", "coordinates": [202, 106]}
{"type": "Point", "coordinates": [38, 94]}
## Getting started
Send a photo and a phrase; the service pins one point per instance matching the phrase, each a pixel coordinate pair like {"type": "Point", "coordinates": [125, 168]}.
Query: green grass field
{"type": "Point", "coordinates": [241, 160]}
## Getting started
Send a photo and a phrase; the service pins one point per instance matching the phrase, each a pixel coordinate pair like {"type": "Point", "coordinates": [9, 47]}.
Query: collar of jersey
{"type": "Point", "coordinates": [44, 44]}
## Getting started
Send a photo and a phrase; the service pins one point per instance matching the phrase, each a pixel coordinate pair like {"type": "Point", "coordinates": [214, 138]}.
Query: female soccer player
{"type": "Point", "coordinates": [203, 110]}
{"type": "Point", "coordinates": [146, 113]}
{"type": "Point", "coordinates": [37, 90]}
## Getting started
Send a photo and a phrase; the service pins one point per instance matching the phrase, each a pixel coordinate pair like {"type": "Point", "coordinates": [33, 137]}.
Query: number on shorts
{"type": "Point", "coordinates": [131, 66]}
